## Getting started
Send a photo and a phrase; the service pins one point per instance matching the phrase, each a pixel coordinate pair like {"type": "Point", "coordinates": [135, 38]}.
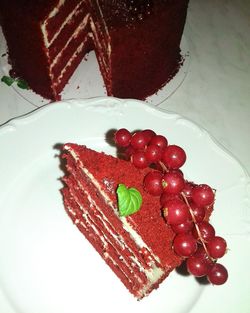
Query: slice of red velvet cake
{"type": "Point", "coordinates": [137, 43]}
{"type": "Point", "coordinates": [137, 247]}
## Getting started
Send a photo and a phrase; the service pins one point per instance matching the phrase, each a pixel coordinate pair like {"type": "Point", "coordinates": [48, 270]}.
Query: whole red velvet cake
{"type": "Point", "coordinates": [137, 43]}
{"type": "Point", "coordinates": [138, 247]}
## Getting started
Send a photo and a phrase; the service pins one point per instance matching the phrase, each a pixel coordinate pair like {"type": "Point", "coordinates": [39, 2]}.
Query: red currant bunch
{"type": "Point", "coordinates": [186, 206]}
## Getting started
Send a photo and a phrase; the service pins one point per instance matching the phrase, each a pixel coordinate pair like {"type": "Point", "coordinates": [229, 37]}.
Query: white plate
{"type": "Point", "coordinates": [47, 266]}
{"type": "Point", "coordinates": [82, 85]}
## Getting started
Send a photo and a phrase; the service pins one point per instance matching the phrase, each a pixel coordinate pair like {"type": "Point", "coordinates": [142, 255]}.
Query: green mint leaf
{"type": "Point", "coordinates": [129, 200]}
{"type": "Point", "coordinates": [7, 80]}
{"type": "Point", "coordinates": [22, 84]}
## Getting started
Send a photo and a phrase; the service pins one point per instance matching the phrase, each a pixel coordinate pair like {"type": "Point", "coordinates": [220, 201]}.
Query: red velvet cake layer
{"type": "Point", "coordinates": [138, 248]}
{"type": "Point", "coordinates": [136, 42]}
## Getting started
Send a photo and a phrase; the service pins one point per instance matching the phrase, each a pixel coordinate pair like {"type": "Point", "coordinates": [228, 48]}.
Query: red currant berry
{"type": "Point", "coordinates": [176, 211]}
{"type": "Point", "coordinates": [184, 227]}
{"type": "Point", "coordinates": [177, 171]}
{"type": "Point", "coordinates": [128, 152]}
{"type": "Point", "coordinates": [187, 190]}
{"type": "Point", "coordinates": [139, 160]}
{"type": "Point", "coordinates": [159, 140]}
{"type": "Point", "coordinates": [138, 141]}
{"type": "Point", "coordinates": [167, 196]}
{"type": "Point", "coordinates": [184, 245]}
{"type": "Point", "coordinates": [217, 274]}
{"type": "Point", "coordinates": [148, 135]}
{"type": "Point", "coordinates": [173, 156]}
{"type": "Point", "coordinates": [207, 231]}
{"type": "Point", "coordinates": [198, 212]}
{"type": "Point", "coordinates": [202, 253]}
{"type": "Point", "coordinates": [153, 183]}
{"type": "Point", "coordinates": [203, 195]}
{"type": "Point", "coordinates": [153, 153]}
{"type": "Point", "coordinates": [216, 247]}
{"type": "Point", "coordinates": [197, 266]}
{"type": "Point", "coordinates": [173, 182]}
{"type": "Point", "coordinates": [122, 137]}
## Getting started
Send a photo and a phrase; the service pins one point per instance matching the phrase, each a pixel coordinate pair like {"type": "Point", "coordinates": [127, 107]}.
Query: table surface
{"type": "Point", "coordinates": [216, 91]}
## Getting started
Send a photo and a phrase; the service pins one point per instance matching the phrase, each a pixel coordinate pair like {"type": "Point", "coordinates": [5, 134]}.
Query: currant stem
{"type": "Point", "coordinates": [164, 167]}
{"type": "Point", "coordinates": [197, 227]}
